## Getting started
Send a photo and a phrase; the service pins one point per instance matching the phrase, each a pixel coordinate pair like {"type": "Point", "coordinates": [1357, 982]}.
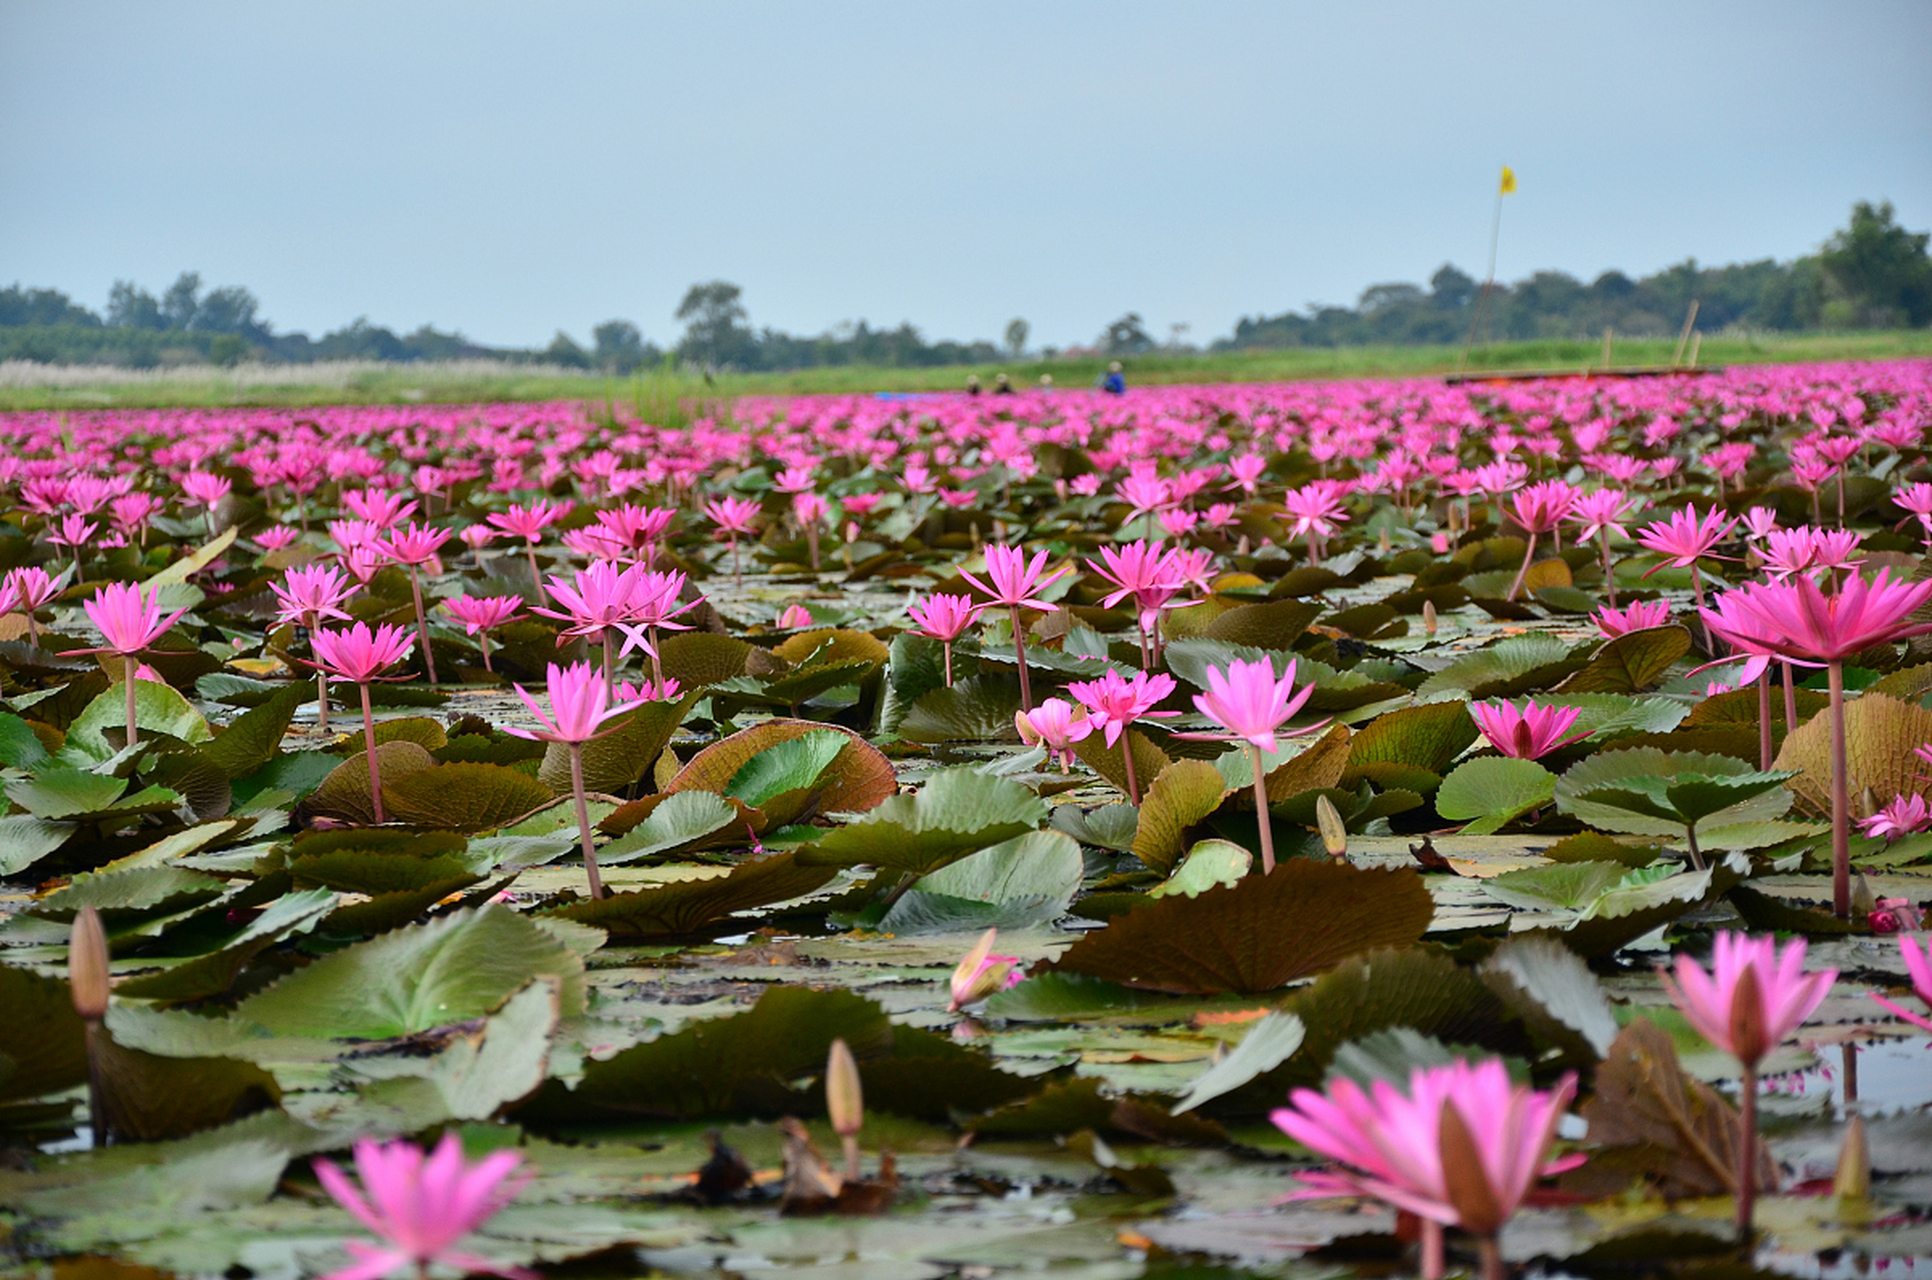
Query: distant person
{"type": "Point", "coordinates": [1046, 382]}
{"type": "Point", "coordinates": [972, 384]}
{"type": "Point", "coordinates": [1114, 382]}
{"type": "Point", "coordinates": [1002, 386]}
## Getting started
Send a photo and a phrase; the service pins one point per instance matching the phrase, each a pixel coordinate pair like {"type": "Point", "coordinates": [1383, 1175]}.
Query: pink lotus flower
{"type": "Point", "coordinates": [205, 487]}
{"type": "Point", "coordinates": [414, 545]}
{"type": "Point", "coordinates": [482, 613]}
{"type": "Point", "coordinates": [1686, 537]}
{"type": "Point", "coordinates": [359, 655]}
{"type": "Point", "coordinates": [793, 617]}
{"type": "Point", "coordinates": [128, 617]}
{"type": "Point", "coordinates": [1055, 725]}
{"type": "Point", "coordinates": [310, 593]}
{"type": "Point", "coordinates": [28, 589]}
{"type": "Point", "coordinates": [578, 697]}
{"type": "Point", "coordinates": [1906, 814]}
{"type": "Point", "coordinates": [1918, 963]}
{"type": "Point", "coordinates": [421, 1206]}
{"type": "Point", "coordinates": [1462, 1147]}
{"type": "Point", "coordinates": [981, 973]}
{"type": "Point", "coordinates": [1528, 733]}
{"type": "Point", "coordinates": [944, 617]}
{"type": "Point", "coordinates": [1250, 703]}
{"type": "Point", "coordinates": [733, 515]}
{"type": "Point", "coordinates": [1753, 997]}
{"type": "Point", "coordinates": [529, 522]}
{"type": "Point", "coordinates": [1895, 915]}
{"type": "Point", "coordinates": [380, 507]}
{"type": "Point", "coordinates": [1796, 620]}
{"type": "Point", "coordinates": [648, 691]}
{"type": "Point", "coordinates": [1540, 508]}
{"type": "Point", "coordinates": [1639, 616]}
{"type": "Point", "coordinates": [1114, 702]}
{"type": "Point", "coordinates": [1803, 550]}
{"type": "Point", "coordinates": [1016, 583]}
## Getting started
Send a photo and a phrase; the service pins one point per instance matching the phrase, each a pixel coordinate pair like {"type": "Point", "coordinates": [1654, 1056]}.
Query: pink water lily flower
{"type": "Point", "coordinates": [421, 1206]}
{"type": "Point", "coordinates": [1918, 964]}
{"type": "Point", "coordinates": [1753, 997]}
{"type": "Point", "coordinates": [359, 655]}
{"type": "Point", "coordinates": [128, 617]}
{"type": "Point", "coordinates": [578, 698]}
{"type": "Point", "coordinates": [1905, 814]}
{"type": "Point", "coordinates": [1462, 1147]}
{"type": "Point", "coordinates": [1527, 733]}
{"type": "Point", "coordinates": [944, 617]}
{"type": "Point", "coordinates": [1115, 702]}
{"type": "Point", "coordinates": [1055, 725]}
{"type": "Point", "coordinates": [1795, 619]}
{"type": "Point", "coordinates": [481, 613]}
{"type": "Point", "coordinates": [1016, 582]}
{"type": "Point", "coordinates": [308, 594]}
{"type": "Point", "coordinates": [1686, 536]}
{"type": "Point", "coordinates": [1639, 615]}
{"type": "Point", "coordinates": [1249, 702]}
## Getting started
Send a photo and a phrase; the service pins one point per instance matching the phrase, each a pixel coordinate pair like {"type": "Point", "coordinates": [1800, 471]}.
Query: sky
{"type": "Point", "coordinates": [510, 170]}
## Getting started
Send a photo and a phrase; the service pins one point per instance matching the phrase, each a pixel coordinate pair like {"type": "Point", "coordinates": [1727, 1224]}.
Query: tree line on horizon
{"type": "Point", "coordinates": [1870, 274]}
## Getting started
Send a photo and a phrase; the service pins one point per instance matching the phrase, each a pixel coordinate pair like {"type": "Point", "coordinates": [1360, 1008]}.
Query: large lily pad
{"type": "Point", "coordinates": [856, 779]}
{"type": "Point", "coordinates": [430, 975]}
{"type": "Point", "coordinates": [1491, 791]}
{"type": "Point", "coordinates": [1257, 935]}
{"type": "Point", "coordinates": [686, 906]}
{"type": "Point", "coordinates": [1181, 797]}
{"type": "Point", "coordinates": [463, 797]}
{"type": "Point", "coordinates": [957, 812]}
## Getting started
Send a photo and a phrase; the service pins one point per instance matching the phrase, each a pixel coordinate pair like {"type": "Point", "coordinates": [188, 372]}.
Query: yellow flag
{"type": "Point", "coordinates": [1509, 181]}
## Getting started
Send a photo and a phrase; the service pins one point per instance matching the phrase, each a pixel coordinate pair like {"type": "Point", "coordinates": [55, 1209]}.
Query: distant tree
{"type": "Point", "coordinates": [1613, 286]}
{"type": "Point", "coordinates": [715, 330]}
{"type": "Point", "coordinates": [1451, 289]}
{"type": "Point", "coordinates": [1016, 335]}
{"type": "Point", "coordinates": [1380, 297]}
{"type": "Point", "coordinates": [1880, 269]}
{"type": "Point", "coordinates": [230, 309]}
{"type": "Point", "coordinates": [563, 350]}
{"type": "Point", "coordinates": [361, 341]}
{"type": "Point", "coordinates": [20, 306]}
{"type": "Point", "coordinates": [620, 347]}
{"type": "Point", "coordinates": [182, 300]}
{"type": "Point", "coordinates": [228, 350]}
{"type": "Point", "coordinates": [1127, 336]}
{"type": "Point", "coordinates": [131, 307]}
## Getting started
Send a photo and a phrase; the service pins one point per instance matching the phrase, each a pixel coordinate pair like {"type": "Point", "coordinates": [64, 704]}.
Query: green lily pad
{"type": "Point", "coordinates": [43, 1046]}
{"type": "Point", "coordinates": [958, 811]}
{"type": "Point", "coordinates": [1207, 864]}
{"type": "Point", "coordinates": [1631, 662]}
{"type": "Point", "coordinates": [463, 797]}
{"type": "Point", "coordinates": [675, 822]}
{"type": "Point", "coordinates": [157, 709]}
{"type": "Point", "coordinates": [1257, 935]}
{"type": "Point", "coordinates": [418, 977]}
{"type": "Point", "coordinates": [976, 709]}
{"type": "Point", "coordinates": [25, 840]}
{"type": "Point", "coordinates": [1181, 798]}
{"type": "Point", "coordinates": [1491, 791]}
{"type": "Point", "coordinates": [1268, 1043]}
{"type": "Point", "coordinates": [686, 906]}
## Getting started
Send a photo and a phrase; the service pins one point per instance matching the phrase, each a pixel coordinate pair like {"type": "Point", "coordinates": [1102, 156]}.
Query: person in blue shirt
{"type": "Point", "coordinates": [1114, 382]}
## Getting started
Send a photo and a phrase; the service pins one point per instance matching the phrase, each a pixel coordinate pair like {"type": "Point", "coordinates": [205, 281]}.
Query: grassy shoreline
{"type": "Point", "coordinates": [29, 388]}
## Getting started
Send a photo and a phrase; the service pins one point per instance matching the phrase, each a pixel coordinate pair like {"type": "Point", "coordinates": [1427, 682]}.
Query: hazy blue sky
{"type": "Point", "coordinates": [515, 169]}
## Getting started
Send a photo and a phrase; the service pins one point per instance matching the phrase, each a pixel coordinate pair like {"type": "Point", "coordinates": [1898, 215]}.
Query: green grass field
{"type": "Point", "coordinates": [662, 397]}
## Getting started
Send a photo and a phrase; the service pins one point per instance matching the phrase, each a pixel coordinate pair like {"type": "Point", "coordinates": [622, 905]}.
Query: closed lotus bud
{"type": "Point", "coordinates": [1465, 1178]}
{"type": "Point", "coordinates": [1854, 1177]}
{"type": "Point", "coordinates": [1383, 544]}
{"type": "Point", "coordinates": [87, 965]}
{"type": "Point", "coordinates": [1334, 834]}
{"type": "Point", "coordinates": [1748, 1040]}
{"type": "Point", "coordinates": [1862, 899]}
{"type": "Point", "coordinates": [844, 1098]}
{"type": "Point", "coordinates": [1428, 617]}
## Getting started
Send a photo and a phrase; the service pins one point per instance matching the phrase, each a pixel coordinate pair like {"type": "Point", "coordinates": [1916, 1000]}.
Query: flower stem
{"type": "Point", "coordinates": [1019, 655]}
{"type": "Point", "coordinates": [1489, 1258]}
{"type": "Point", "coordinates": [1261, 811]}
{"type": "Point", "coordinates": [1609, 576]}
{"type": "Point", "coordinates": [657, 666]}
{"type": "Point", "coordinates": [483, 638]}
{"type": "Point", "coordinates": [1840, 801]}
{"type": "Point", "coordinates": [583, 819]}
{"type": "Point", "coordinates": [129, 663]}
{"type": "Point", "coordinates": [422, 624]}
{"type": "Point", "coordinates": [948, 646]}
{"type": "Point", "coordinates": [1747, 1151]}
{"type": "Point", "coordinates": [1529, 553]}
{"type": "Point", "coordinates": [530, 550]}
{"type": "Point", "coordinates": [1127, 757]}
{"type": "Point", "coordinates": [1764, 718]}
{"type": "Point", "coordinates": [369, 749]}
{"type": "Point", "coordinates": [1431, 1268]}
{"type": "Point", "coordinates": [1790, 702]}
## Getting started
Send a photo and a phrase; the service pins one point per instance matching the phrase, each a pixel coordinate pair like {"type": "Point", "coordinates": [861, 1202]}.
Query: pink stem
{"type": "Point", "coordinates": [1840, 800]}
{"type": "Point", "coordinates": [583, 819]}
{"type": "Point", "coordinates": [1261, 811]}
{"type": "Point", "coordinates": [369, 749]}
{"type": "Point", "coordinates": [1529, 553]}
{"type": "Point", "coordinates": [130, 662]}
{"type": "Point", "coordinates": [422, 624]}
{"type": "Point", "coordinates": [1019, 655]}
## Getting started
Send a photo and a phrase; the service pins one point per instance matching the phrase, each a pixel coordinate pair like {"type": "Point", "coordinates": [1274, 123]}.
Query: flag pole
{"type": "Point", "coordinates": [1503, 188]}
